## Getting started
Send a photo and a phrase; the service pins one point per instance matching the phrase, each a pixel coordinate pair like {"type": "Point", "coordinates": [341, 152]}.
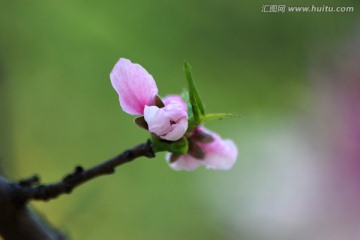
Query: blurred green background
{"type": "Point", "coordinates": [58, 108]}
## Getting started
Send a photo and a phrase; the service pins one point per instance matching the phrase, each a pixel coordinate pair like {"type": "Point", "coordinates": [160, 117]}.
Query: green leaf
{"type": "Point", "coordinates": [218, 116]}
{"type": "Point", "coordinates": [194, 97]}
{"type": "Point", "coordinates": [186, 98]}
{"type": "Point", "coordinates": [180, 146]}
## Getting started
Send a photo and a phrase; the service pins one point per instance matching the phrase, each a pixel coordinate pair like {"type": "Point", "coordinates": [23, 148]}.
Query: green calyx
{"type": "Point", "coordinates": [180, 146]}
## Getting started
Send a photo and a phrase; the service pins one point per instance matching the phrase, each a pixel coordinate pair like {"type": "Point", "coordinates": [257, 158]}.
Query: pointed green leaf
{"type": "Point", "coordinates": [195, 100]}
{"type": "Point", "coordinates": [218, 116]}
{"type": "Point", "coordinates": [191, 121]}
{"type": "Point", "coordinates": [186, 98]}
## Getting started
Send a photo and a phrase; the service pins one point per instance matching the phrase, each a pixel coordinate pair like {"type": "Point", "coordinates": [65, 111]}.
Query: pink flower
{"type": "Point", "coordinates": [135, 86]}
{"type": "Point", "coordinates": [137, 92]}
{"type": "Point", "coordinates": [218, 153]}
{"type": "Point", "coordinates": [169, 123]}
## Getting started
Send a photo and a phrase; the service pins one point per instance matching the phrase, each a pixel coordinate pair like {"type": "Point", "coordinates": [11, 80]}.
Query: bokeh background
{"type": "Point", "coordinates": [293, 77]}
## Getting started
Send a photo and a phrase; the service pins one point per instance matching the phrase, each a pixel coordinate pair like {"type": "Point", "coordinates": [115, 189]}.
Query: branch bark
{"type": "Point", "coordinates": [16, 219]}
{"type": "Point", "coordinates": [19, 222]}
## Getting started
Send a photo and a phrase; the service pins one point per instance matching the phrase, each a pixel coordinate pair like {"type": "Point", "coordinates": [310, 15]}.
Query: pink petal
{"type": "Point", "coordinates": [157, 120]}
{"type": "Point", "coordinates": [185, 162]}
{"type": "Point", "coordinates": [135, 86]}
{"type": "Point", "coordinates": [169, 123]}
{"type": "Point", "coordinates": [220, 154]}
{"type": "Point", "coordinates": [175, 99]}
{"type": "Point", "coordinates": [178, 130]}
{"type": "Point", "coordinates": [221, 158]}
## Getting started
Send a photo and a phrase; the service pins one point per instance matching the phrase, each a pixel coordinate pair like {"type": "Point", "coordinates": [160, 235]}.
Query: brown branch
{"type": "Point", "coordinates": [18, 222]}
{"type": "Point", "coordinates": [25, 190]}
